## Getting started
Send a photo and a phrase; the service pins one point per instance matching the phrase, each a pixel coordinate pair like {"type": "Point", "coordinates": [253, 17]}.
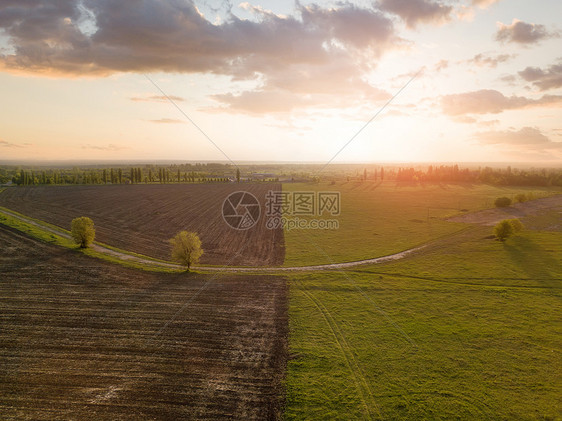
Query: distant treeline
{"type": "Point", "coordinates": [225, 173]}
{"type": "Point", "coordinates": [129, 175]}
{"type": "Point", "coordinates": [486, 175]}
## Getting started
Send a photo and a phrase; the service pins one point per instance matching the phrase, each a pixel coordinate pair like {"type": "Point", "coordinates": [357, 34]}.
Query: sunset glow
{"type": "Point", "coordinates": [281, 81]}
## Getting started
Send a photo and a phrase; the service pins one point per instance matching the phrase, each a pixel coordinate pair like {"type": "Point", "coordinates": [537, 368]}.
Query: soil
{"type": "Point", "coordinates": [491, 217]}
{"type": "Point", "coordinates": [142, 218]}
{"type": "Point", "coordinates": [85, 339]}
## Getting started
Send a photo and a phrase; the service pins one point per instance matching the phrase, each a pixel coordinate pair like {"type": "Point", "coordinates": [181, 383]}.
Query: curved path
{"type": "Point", "coordinates": [490, 217]}
{"type": "Point", "coordinates": [147, 261]}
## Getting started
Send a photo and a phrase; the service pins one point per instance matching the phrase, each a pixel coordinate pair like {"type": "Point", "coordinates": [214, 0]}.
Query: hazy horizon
{"type": "Point", "coordinates": [336, 165]}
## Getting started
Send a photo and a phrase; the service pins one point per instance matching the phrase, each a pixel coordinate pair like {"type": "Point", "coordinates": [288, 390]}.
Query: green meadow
{"type": "Point", "coordinates": [381, 219]}
{"type": "Point", "coordinates": [471, 328]}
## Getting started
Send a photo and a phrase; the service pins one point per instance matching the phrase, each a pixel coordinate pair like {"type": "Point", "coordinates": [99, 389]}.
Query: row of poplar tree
{"type": "Point", "coordinates": [111, 175]}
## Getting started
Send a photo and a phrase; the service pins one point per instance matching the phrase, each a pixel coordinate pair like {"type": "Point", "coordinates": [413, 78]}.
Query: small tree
{"type": "Point", "coordinates": [503, 230]}
{"type": "Point", "coordinates": [516, 225]}
{"type": "Point", "coordinates": [502, 202]}
{"type": "Point", "coordinates": [82, 230]}
{"type": "Point", "coordinates": [186, 248]}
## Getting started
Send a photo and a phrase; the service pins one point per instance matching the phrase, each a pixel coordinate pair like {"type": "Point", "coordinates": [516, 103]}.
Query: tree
{"type": "Point", "coordinates": [82, 230]}
{"type": "Point", "coordinates": [186, 248]}
{"type": "Point", "coordinates": [516, 225]}
{"type": "Point", "coordinates": [238, 175]}
{"type": "Point", "coordinates": [503, 230]}
{"type": "Point", "coordinates": [502, 202]}
{"type": "Point", "coordinates": [382, 173]}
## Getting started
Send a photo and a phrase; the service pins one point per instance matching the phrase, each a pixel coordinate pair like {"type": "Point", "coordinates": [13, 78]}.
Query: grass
{"type": "Point", "coordinates": [471, 331]}
{"type": "Point", "coordinates": [37, 232]}
{"type": "Point", "coordinates": [530, 259]}
{"type": "Point", "coordinates": [41, 232]}
{"type": "Point", "coordinates": [381, 219]}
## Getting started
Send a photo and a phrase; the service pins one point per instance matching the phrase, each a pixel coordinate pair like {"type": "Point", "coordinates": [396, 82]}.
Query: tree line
{"type": "Point", "coordinates": [132, 175]}
{"type": "Point", "coordinates": [487, 175]}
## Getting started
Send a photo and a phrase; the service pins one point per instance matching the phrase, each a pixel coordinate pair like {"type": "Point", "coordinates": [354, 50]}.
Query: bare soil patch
{"type": "Point", "coordinates": [142, 218]}
{"type": "Point", "coordinates": [82, 339]}
{"type": "Point", "coordinates": [531, 208]}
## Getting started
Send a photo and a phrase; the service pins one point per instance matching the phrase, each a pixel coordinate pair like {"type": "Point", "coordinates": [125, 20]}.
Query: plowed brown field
{"type": "Point", "coordinates": [82, 339]}
{"type": "Point", "coordinates": [142, 218]}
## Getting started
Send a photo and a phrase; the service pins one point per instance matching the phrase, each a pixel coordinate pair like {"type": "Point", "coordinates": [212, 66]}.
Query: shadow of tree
{"type": "Point", "coordinates": [535, 261]}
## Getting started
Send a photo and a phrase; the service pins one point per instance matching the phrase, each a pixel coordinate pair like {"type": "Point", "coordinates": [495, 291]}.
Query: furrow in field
{"type": "Point", "coordinates": [142, 218]}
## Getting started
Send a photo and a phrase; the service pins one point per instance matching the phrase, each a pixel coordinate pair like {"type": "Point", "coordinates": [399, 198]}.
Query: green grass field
{"type": "Point", "coordinates": [378, 220]}
{"type": "Point", "coordinates": [468, 330]}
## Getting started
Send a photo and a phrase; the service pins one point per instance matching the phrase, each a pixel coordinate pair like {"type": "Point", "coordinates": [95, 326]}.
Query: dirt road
{"type": "Point", "coordinates": [261, 269]}
{"type": "Point", "coordinates": [491, 217]}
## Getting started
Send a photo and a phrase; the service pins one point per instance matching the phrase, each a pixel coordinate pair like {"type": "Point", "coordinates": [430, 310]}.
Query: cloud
{"type": "Point", "coordinates": [318, 50]}
{"type": "Point", "coordinates": [488, 101]}
{"type": "Point", "coordinates": [158, 98]}
{"type": "Point", "coordinates": [530, 138]}
{"type": "Point", "coordinates": [414, 12]}
{"type": "Point", "coordinates": [109, 147]}
{"type": "Point", "coordinates": [441, 65]}
{"type": "Point", "coordinates": [484, 4]}
{"type": "Point", "coordinates": [5, 144]}
{"type": "Point", "coordinates": [284, 92]}
{"type": "Point", "coordinates": [523, 33]}
{"type": "Point", "coordinates": [172, 36]}
{"type": "Point", "coordinates": [550, 78]}
{"type": "Point", "coordinates": [258, 102]}
{"type": "Point", "coordinates": [167, 121]}
{"type": "Point", "coordinates": [509, 79]}
{"type": "Point", "coordinates": [489, 123]}
{"type": "Point", "coordinates": [465, 119]}
{"type": "Point", "coordinates": [484, 60]}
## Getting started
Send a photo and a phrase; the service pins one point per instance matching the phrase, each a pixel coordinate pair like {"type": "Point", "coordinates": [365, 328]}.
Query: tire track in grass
{"type": "Point", "coordinates": [361, 382]}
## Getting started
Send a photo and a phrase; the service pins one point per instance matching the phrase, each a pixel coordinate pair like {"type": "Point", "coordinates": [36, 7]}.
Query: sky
{"type": "Point", "coordinates": [204, 80]}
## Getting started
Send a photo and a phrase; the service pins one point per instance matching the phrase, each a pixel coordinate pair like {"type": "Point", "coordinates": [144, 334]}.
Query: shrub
{"type": "Point", "coordinates": [516, 225]}
{"type": "Point", "coordinates": [502, 202]}
{"type": "Point", "coordinates": [82, 230]}
{"type": "Point", "coordinates": [503, 230]}
{"type": "Point", "coordinates": [520, 198]}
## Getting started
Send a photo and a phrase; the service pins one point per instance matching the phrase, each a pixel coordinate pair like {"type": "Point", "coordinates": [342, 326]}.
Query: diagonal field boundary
{"type": "Point", "coordinates": [353, 365]}
{"type": "Point", "coordinates": [126, 257]}
{"type": "Point", "coordinates": [145, 260]}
